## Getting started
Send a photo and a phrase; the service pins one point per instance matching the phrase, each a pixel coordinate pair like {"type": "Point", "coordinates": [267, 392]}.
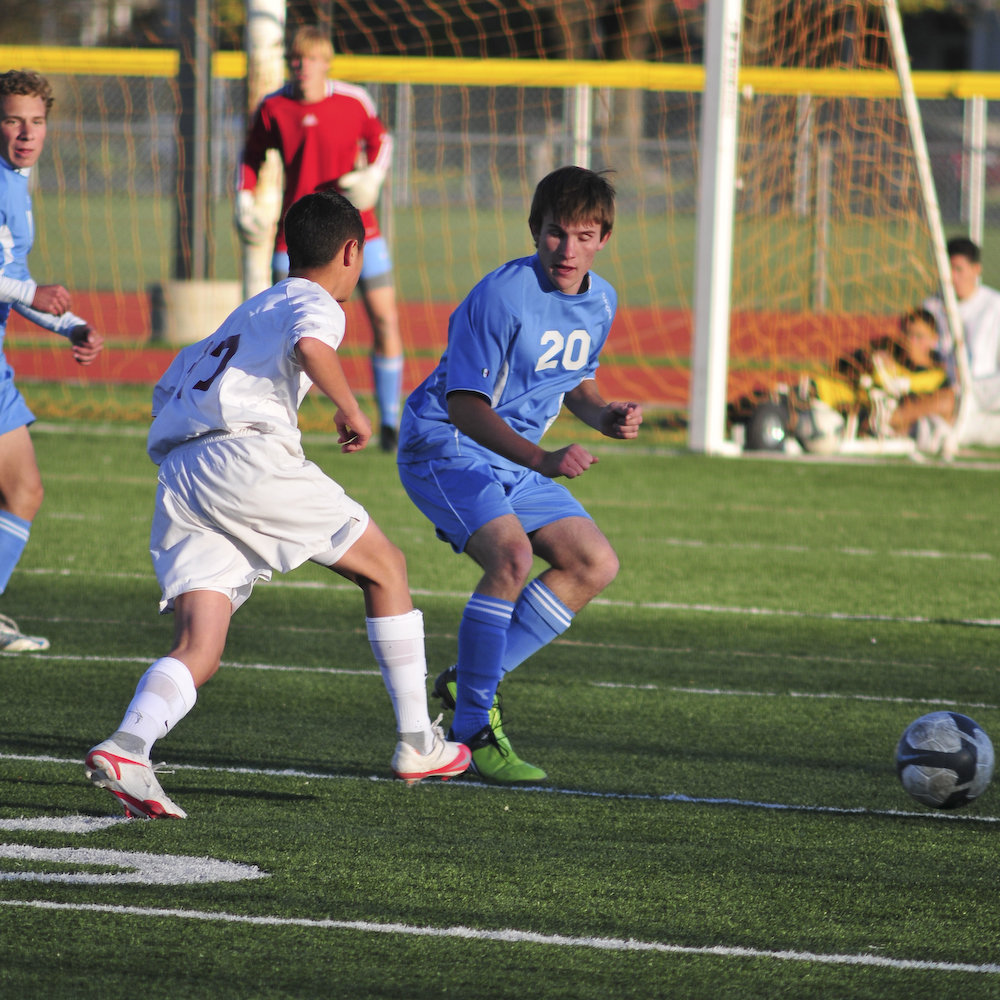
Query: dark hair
{"type": "Point", "coordinates": [962, 246]}
{"type": "Point", "coordinates": [317, 226]}
{"type": "Point", "coordinates": [27, 83]}
{"type": "Point", "coordinates": [574, 195]}
{"type": "Point", "coordinates": [917, 313]}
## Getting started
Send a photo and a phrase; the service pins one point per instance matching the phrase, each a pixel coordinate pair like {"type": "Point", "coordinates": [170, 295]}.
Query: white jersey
{"type": "Point", "coordinates": [245, 377]}
{"type": "Point", "coordinates": [980, 315]}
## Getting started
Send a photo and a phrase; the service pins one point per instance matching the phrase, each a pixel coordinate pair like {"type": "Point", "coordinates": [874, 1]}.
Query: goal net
{"type": "Point", "coordinates": [834, 235]}
{"type": "Point", "coordinates": [831, 240]}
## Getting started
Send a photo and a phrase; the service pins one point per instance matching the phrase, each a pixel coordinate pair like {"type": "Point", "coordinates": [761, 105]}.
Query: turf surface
{"type": "Point", "coordinates": [722, 819]}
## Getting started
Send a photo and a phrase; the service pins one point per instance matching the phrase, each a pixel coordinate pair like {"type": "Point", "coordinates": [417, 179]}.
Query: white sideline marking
{"type": "Point", "coordinates": [822, 696]}
{"type": "Point", "coordinates": [267, 772]}
{"type": "Point", "coordinates": [130, 867]}
{"type": "Point", "coordinates": [62, 824]}
{"type": "Point", "coordinates": [510, 936]}
{"type": "Point", "coordinates": [723, 609]}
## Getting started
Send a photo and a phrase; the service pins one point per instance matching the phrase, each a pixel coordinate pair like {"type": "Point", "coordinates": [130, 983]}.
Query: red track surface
{"type": "Point", "coordinates": [645, 359]}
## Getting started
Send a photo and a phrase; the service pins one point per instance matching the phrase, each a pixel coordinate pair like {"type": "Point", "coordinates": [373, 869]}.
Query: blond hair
{"type": "Point", "coordinates": [309, 39]}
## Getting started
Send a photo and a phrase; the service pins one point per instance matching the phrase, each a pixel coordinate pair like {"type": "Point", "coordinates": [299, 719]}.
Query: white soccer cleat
{"type": "Point", "coordinates": [131, 780]}
{"type": "Point", "coordinates": [444, 759]}
{"type": "Point", "coordinates": [13, 640]}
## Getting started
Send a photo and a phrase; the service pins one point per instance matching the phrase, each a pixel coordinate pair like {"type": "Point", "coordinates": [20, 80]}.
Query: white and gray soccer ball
{"type": "Point", "coordinates": [944, 760]}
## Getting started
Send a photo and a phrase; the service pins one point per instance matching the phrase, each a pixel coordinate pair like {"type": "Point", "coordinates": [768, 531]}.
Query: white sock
{"type": "Point", "coordinates": [397, 643]}
{"type": "Point", "coordinates": [164, 695]}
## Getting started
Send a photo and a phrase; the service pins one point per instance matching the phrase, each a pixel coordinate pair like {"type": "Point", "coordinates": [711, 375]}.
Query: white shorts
{"type": "Point", "coordinates": [230, 510]}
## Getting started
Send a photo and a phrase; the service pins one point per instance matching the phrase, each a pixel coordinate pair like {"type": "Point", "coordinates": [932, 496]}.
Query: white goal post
{"type": "Point", "coordinates": [265, 47]}
{"type": "Point", "coordinates": [717, 183]}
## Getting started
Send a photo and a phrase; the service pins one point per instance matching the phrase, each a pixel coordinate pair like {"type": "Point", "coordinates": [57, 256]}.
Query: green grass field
{"type": "Point", "coordinates": [722, 817]}
{"type": "Point", "coordinates": [440, 252]}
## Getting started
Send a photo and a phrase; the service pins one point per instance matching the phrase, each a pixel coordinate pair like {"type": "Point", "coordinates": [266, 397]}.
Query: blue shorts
{"type": "Point", "coordinates": [377, 261]}
{"type": "Point", "coordinates": [14, 410]}
{"type": "Point", "coordinates": [459, 495]}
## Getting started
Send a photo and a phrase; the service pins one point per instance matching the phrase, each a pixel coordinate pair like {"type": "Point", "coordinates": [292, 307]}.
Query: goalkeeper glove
{"type": "Point", "coordinates": [249, 224]}
{"type": "Point", "coordinates": [361, 187]}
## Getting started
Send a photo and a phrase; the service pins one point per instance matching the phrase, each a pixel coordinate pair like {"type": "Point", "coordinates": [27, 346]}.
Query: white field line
{"type": "Point", "coordinates": [819, 695]}
{"type": "Point", "coordinates": [463, 595]}
{"type": "Point", "coordinates": [668, 797]}
{"type": "Point", "coordinates": [671, 689]}
{"type": "Point", "coordinates": [510, 936]}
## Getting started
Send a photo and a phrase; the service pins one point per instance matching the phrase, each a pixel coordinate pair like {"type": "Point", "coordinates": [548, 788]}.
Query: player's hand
{"type": "Point", "coordinates": [621, 420]}
{"type": "Point", "coordinates": [570, 462]}
{"type": "Point", "coordinates": [86, 343]}
{"type": "Point", "coordinates": [249, 224]}
{"type": "Point", "coordinates": [53, 299]}
{"type": "Point", "coordinates": [361, 187]}
{"type": "Point", "coordinates": [352, 434]}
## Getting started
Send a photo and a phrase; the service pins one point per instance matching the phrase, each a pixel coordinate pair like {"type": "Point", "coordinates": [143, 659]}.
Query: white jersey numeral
{"type": "Point", "coordinates": [571, 352]}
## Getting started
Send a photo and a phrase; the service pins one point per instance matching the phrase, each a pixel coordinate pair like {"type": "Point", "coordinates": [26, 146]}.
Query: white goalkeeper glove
{"type": "Point", "coordinates": [249, 224]}
{"type": "Point", "coordinates": [887, 374]}
{"type": "Point", "coordinates": [361, 187]}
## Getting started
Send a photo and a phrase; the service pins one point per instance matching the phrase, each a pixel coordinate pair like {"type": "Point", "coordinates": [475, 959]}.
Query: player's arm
{"type": "Point", "coordinates": [615, 420]}
{"type": "Point", "coordinates": [473, 415]}
{"type": "Point", "coordinates": [50, 299]}
{"type": "Point", "coordinates": [86, 342]}
{"type": "Point", "coordinates": [321, 363]}
{"type": "Point", "coordinates": [249, 224]}
{"type": "Point", "coordinates": [362, 187]}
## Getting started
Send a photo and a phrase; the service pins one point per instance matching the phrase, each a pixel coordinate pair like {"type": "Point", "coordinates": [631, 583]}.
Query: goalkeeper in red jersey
{"type": "Point", "coordinates": [329, 136]}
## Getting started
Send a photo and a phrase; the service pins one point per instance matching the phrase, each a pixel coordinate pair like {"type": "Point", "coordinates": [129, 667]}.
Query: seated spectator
{"type": "Point", "coordinates": [978, 417]}
{"type": "Point", "coordinates": [894, 386]}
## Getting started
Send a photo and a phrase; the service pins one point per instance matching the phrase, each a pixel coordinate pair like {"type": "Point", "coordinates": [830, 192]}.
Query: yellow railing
{"type": "Point", "coordinates": [515, 72]}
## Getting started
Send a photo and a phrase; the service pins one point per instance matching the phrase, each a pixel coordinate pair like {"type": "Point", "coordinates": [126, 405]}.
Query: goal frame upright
{"type": "Point", "coordinates": [717, 182]}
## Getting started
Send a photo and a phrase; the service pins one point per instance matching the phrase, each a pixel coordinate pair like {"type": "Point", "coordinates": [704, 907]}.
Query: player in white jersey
{"type": "Point", "coordinates": [237, 498]}
{"type": "Point", "coordinates": [524, 341]}
{"type": "Point", "coordinates": [979, 309]}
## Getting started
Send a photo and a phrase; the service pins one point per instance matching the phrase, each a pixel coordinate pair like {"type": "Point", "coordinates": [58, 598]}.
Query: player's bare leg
{"type": "Point", "coordinates": [166, 692]}
{"type": "Point", "coordinates": [21, 495]}
{"type": "Point", "coordinates": [387, 356]}
{"type": "Point", "coordinates": [396, 636]}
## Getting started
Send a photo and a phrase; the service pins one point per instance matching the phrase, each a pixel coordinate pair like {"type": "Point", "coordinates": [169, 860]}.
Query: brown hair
{"type": "Point", "coordinates": [28, 83]}
{"type": "Point", "coordinates": [574, 195]}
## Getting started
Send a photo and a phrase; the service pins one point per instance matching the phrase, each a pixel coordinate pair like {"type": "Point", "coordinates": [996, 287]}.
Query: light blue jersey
{"type": "Point", "coordinates": [522, 345]}
{"type": "Point", "coordinates": [17, 234]}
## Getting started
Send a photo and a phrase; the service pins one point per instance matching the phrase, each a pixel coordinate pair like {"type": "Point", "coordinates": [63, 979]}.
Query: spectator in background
{"type": "Point", "coordinates": [329, 135]}
{"type": "Point", "coordinates": [25, 101]}
{"type": "Point", "coordinates": [979, 309]}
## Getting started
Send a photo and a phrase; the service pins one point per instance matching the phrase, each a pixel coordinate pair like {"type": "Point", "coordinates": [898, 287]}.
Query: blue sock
{"type": "Point", "coordinates": [482, 636]}
{"type": "Point", "coordinates": [14, 533]}
{"type": "Point", "coordinates": [387, 374]}
{"type": "Point", "coordinates": [539, 616]}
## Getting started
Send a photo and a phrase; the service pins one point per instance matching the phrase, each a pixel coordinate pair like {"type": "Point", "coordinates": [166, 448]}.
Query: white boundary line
{"type": "Point", "coordinates": [510, 936]}
{"type": "Point", "coordinates": [666, 797]}
{"type": "Point", "coordinates": [839, 616]}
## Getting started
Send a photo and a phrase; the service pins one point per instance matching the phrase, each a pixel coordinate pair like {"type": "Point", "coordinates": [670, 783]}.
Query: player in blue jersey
{"type": "Point", "coordinates": [25, 100]}
{"type": "Point", "coordinates": [524, 341]}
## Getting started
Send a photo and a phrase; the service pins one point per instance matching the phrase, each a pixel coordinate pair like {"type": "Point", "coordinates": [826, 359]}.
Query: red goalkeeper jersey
{"type": "Point", "coordinates": [318, 143]}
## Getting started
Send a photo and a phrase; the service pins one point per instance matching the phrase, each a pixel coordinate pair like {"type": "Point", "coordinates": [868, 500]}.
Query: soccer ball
{"type": "Point", "coordinates": [944, 760]}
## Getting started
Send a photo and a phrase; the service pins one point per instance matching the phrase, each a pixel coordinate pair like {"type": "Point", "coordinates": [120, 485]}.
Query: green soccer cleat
{"type": "Point", "coordinates": [493, 758]}
{"type": "Point", "coordinates": [446, 690]}
{"type": "Point", "coordinates": [498, 764]}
